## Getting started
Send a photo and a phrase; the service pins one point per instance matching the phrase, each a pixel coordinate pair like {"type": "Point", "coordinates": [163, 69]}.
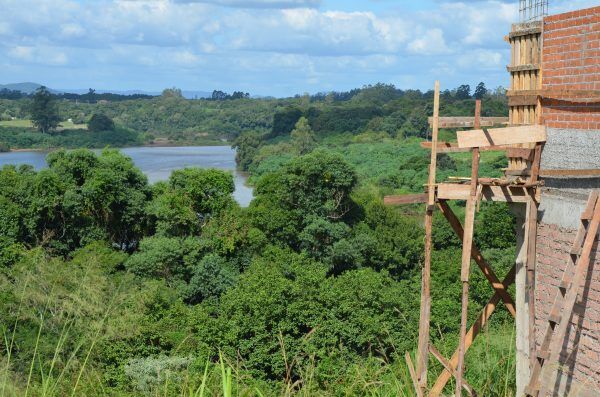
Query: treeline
{"type": "Point", "coordinates": [90, 97]}
{"type": "Point", "coordinates": [378, 108]}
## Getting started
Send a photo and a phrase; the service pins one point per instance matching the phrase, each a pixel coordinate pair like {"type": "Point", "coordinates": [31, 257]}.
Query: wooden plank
{"type": "Point", "coordinates": [579, 276]}
{"type": "Point", "coordinates": [425, 313]}
{"type": "Point", "coordinates": [523, 68]}
{"type": "Point", "coordinates": [405, 199]}
{"type": "Point", "coordinates": [501, 136]}
{"type": "Point", "coordinates": [466, 260]}
{"type": "Point", "coordinates": [475, 329]}
{"type": "Point", "coordinates": [535, 30]}
{"type": "Point", "coordinates": [434, 140]}
{"type": "Point", "coordinates": [413, 375]}
{"type": "Point", "coordinates": [535, 164]}
{"type": "Point", "coordinates": [455, 191]}
{"type": "Point", "coordinates": [446, 364]}
{"type": "Point", "coordinates": [556, 93]}
{"type": "Point", "coordinates": [509, 194]}
{"type": "Point", "coordinates": [526, 154]}
{"type": "Point", "coordinates": [468, 122]}
{"type": "Point", "coordinates": [522, 100]}
{"type": "Point", "coordinates": [579, 172]}
{"type": "Point", "coordinates": [478, 257]}
{"type": "Point", "coordinates": [531, 219]}
{"type": "Point", "coordinates": [452, 147]}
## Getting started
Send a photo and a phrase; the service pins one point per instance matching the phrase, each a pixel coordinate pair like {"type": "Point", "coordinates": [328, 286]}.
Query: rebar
{"type": "Point", "coordinates": [532, 10]}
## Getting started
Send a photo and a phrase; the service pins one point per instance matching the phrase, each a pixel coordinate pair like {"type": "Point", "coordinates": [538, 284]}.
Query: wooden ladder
{"type": "Point", "coordinates": [558, 321]}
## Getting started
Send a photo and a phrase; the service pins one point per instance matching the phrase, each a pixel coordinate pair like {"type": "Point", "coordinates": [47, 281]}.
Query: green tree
{"type": "Point", "coordinates": [211, 277]}
{"type": "Point", "coordinates": [314, 185]}
{"type": "Point", "coordinates": [100, 122]}
{"type": "Point", "coordinates": [44, 111]}
{"type": "Point", "coordinates": [302, 136]}
{"type": "Point", "coordinates": [173, 92]}
{"type": "Point", "coordinates": [480, 91]}
{"type": "Point", "coordinates": [463, 92]}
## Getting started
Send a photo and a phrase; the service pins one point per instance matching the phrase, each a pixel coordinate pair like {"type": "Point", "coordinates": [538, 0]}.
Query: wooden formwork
{"type": "Point", "coordinates": [525, 72]}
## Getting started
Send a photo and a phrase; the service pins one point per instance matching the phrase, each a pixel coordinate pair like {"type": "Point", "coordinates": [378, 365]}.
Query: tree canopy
{"type": "Point", "coordinates": [44, 111]}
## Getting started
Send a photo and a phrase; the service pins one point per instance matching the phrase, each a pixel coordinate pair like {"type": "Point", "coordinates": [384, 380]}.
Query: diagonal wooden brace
{"type": "Point", "coordinates": [446, 364]}
{"type": "Point", "coordinates": [475, 329]}
{"type": "Point", "coordinates": [478, 258]}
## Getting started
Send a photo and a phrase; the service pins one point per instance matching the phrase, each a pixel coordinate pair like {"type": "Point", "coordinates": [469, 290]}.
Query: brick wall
{"type": "Point", "coordinates": [571, 61]}
{"type": "Point", "coordinates": [580, 358]}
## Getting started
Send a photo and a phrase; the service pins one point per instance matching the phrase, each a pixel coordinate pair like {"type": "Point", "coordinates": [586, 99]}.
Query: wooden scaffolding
{"type": "Point", "coordinates": [521, 184]}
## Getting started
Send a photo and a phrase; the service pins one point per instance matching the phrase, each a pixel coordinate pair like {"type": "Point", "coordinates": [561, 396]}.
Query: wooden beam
{"type": "Point", "coordinates": [446, 364]}
{"type": "Point", "coordinates": [466, 257]}
{"type": "Point", "coordinates": [413, 375]}
{"type": "Point", "coordinates": [525, 154]}
{"type": "Point", "coordinates": [452, 147]}
{"type": "Point", "coordinates": [475, 329]}
{"type": "Point", "coordinates": [501, 136]}
{"type": "Point", "coordinates": [425, 313]}
{"type": "Point", "coordinates": [536, 29]}
{"type": "Point", "coordinates": [556, 93]}
{"type": "Point", "coordinates": [478, 257]}
{"type": "Point", "coordinates": [453, 191]}
{"type": "Point", "coordinates": [405, 199]}
{"type": "Point", "coordinates": [523, 68]}
{"type": "Point", "coordinates": [522, 100]}
{"type": "Point", "coordinates": [509, 194]}
{"type": "Point", "coordinates": [579, 172]}
{"type": "Point", "coordinates": [468, 122]}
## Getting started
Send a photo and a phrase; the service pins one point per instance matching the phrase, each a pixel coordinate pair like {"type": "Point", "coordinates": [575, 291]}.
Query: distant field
{"type": "Point", "coordinates": [65, 125]}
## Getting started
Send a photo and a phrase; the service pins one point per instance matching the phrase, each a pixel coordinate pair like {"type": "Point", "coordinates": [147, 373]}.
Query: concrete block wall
{"type": "Point", "coordinates": [571, 61]}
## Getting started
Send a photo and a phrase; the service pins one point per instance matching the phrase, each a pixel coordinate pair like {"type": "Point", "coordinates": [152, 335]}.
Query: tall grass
{"type": "Point", "coordinates": [66, 366]}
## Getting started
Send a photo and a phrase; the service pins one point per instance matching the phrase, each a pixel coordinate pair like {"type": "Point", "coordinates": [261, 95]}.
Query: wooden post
{"type": "Point", "coordinates": [532, 221]}
{"type": "Point", "coordinates": [466, 257]}
{"type": "Point", "coordinates": [423, 347]}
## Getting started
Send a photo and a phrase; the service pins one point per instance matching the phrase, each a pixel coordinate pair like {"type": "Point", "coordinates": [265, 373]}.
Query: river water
{"type": "Point", "coordinates": [158, 162]}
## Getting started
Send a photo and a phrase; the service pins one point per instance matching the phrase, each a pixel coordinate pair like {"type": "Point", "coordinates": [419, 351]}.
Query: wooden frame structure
{"type": "Point", "coordinates": [523, 146]}
{"type": "Point", "coordinates": [513, 189]}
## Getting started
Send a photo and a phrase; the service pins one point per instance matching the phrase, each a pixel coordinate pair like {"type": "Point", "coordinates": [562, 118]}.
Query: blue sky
{"type": "Point", "coordinates": [265, 47]}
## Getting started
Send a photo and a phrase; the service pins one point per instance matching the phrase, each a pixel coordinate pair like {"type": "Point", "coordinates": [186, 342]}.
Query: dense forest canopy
{"type": "Point", "coordinates": [111, 285]}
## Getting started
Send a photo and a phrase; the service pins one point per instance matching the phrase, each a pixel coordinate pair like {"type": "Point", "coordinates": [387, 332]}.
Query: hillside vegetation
{"type": "Point", "coordinates": [112, 286]}
{"type": "Point", "coordinates": [174, 119]}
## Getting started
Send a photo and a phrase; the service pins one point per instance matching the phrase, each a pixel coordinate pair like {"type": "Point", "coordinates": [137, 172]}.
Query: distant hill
{"type": "Point", "coordinates": [29, 87]}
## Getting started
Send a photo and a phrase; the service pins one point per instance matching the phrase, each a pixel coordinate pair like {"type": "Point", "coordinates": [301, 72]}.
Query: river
{"type": "Point", "coordinates": [158, 162]}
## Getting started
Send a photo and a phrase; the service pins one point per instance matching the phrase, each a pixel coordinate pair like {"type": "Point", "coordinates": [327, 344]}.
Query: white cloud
{"type": "Point", "coordinates": [258, 3]}
{"type": "Point", "coordinates": [261, 43]}
{"type": "Point", "coordinates": [39, 55]}
{"type": "Point", "coordinates": [56, 58]}
{"type": "Point", "coordinates": [186, 58]}
{"type": "Point", "coordinates": [483, 60]}
{"type": "Point", "coordinates": [71, 30]}
{"type": "Point", "coordinates": [23, 53]}
{"type": "Point", "coordinates": [430, 42]}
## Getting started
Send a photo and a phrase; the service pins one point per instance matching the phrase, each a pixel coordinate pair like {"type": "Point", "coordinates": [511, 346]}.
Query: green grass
{"type": "Point", "coordinates": [65, 125]}
{"type": "Point", "coordinates": [16, 123]}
